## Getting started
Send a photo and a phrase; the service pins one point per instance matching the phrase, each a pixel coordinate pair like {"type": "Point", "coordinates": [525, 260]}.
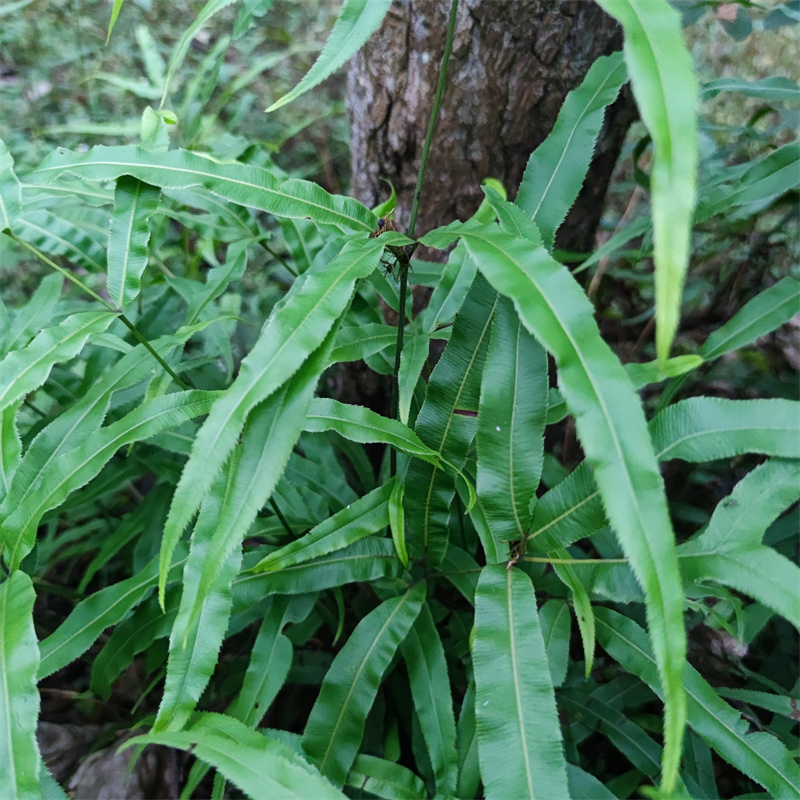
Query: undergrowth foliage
{"type": "Point", "coordinates": [211, 490]}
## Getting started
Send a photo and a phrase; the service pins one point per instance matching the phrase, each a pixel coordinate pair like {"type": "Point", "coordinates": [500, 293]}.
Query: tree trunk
{"type": "Point", "coordinates": [512, 65]}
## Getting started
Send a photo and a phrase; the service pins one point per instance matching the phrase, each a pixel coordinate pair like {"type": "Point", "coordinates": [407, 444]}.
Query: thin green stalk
{"type": "Point", "coordinates": [125, 321]}
{"type": "Point", "coordinates": [404, 255]}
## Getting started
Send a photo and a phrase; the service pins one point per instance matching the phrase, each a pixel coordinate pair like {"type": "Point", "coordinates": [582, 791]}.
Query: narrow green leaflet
{"type": "Point", "coordinates": [764, 313]}
{"type": "Point", "coordinates": [386, 779]}
{"type": "Point", "coordinates": [364, 517]}
{"type": "Point", "coordinates": [295, 330]}
{"type": "Point", "coordinates": [19, 697]}
{"type": "Point", "coordinates": [613, 431]}
{"type": "Point", "coordinates": [23, 371]}
{"type": "Point", "coordinates": [10, 190]}
{"type": "Point", "coordinates": [182, 47]}
{"type": "Point", "coordinates": [271, 431]}
{"type": "Point", "coordinates": [511, 420]}
{"type": "Point", "coordinates": [775, 89]}
{"type": "Point", "coordinates": [10, 448]}
{"type": "Point", "coordinates": [555, 620]}
{"type": "Point", "coordinates": [397, 520]}
{"type": "Point", "coordinates": [760, 756]}
{"type": "Point", "coordinates": [367, 560]}
{"type": "Point", "coordinates": [18, 529]}
{"type": "Point", "coordinates": [412, 361]}
{"type": "Point", "coordinates": [433, 699]}
{"type": "Point", "coordinates": [665, 89]}
{"type": "Point", "coordinates": [447, 423]}
{"type": "Point", "coordinates": [134, 203]}
{"type": "Point", "coordinates": [583, 606]}
{"type": "Point", "coordinates": [360, 424]}
{"type": "Point", "coordinates": [270, 659]}
{"type": "Point", "coordinates": [357, 21]}
{"type": "Point", "coordinates": [449, 291]}
{"type": "Point", "coordinates": [58, 236]}
{"type": "Point", "coordinates": [519, 738]}
{"type": "Point", "coordinates": [707, 428]}
{"type": "Point", "coordinates": [335, 726]}
{"type": "Point", "coordinates": [245, 185]}
{"type": "Point", "coordinates": [557, 168]}
{"type": "Point", "coordinates": [107, 607]}
{"type": "Point", "coordinates": [259, 766]}
{"type": "Point", "coordinates": [356, 342]}
{"type": "Point", "coordinates": [469, 772]}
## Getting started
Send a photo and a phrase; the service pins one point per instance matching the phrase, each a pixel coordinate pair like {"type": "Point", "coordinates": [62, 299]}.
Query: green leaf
{"type": "Point", "coordinates": [270, 659]}
{"type": "Point", "coordinates": [364, 561]}
{"type": "Point", "coordinates": [245, 185]}
{"type": "Point", "coordinates": [179, 53]}
{"type": "Point", "coordinates": [433, 699]}
{"type": "Point", "coordinates": [775, 89]}
{"type": "Point", "coordinates": [18, 523]}
{"type": "Point", "coordinates": [707, 428]}
{"type": "Point", "coordinates": [259, 766]}
{"type": "Point", "coordinates": [665, 89]}
{"type": "Point", "coordinates": [295, 329]}
{"type": "Point", "coordinates": [763, 314]}
{"type": "Point", "coordinates": [10, 448]}
{"type": "Point", "coordinates": [386, 779]}
{"type": "Point", "coordinates": [612, 429]}
{"type": "Point", "coordinates": [511, 420]}
{"type": "Point", "coordinates": [335, 726]}
{"type": "Point", "coordinates": [519, 738]}
{"type": "Point", "coordinates": [23, 371]}
{"type": "Point", "coordinates": [360, 424]}
{"type": "Point", "coordinates": [449, 291]}
{"type": "Point", "coordinates": [87, 621]}
{"type": "Point", "coordinates": [412, 361]}
{"type": "Point", "coordinates": [760, 756]}
{"type": "Point", "coordinates": [10, 190]}
{"type": "Point", "coordinates": [356, 342]}
{"type": "Point", "coordinates": [654, 371]}
{"type": "Point", "coordinates": [397, 520]}
{"type": "Point", "coordinates": [469, 775]}
{"type": "Point", "coordinates": [583, 606]}
{"type": "Point", "coordinates": [357, 21]}
{"type": "Point", "coordinates": [19, 697]}
{"type": "Point", "coordinates": [134, 203]}
{"type": "Point", "coordinates": [555, 619]}
{"type": "Point", "coordinates": [557, 168]}
{"type": "Point", "coordinates": [362, 518]}
{"type": "Point", "coordinates": [447, 424]}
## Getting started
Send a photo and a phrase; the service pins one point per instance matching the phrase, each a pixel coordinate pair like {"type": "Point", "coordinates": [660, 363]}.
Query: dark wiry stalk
{"type": "Point", "coordinates": [403, 255]}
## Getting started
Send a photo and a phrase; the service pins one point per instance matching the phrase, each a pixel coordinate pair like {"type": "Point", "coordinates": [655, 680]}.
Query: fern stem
{"type": "Point", "coordinates": [404, 255]}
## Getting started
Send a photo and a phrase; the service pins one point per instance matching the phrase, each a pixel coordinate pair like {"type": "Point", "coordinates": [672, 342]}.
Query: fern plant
{"type": "Point", "coordinates": [213, 489]}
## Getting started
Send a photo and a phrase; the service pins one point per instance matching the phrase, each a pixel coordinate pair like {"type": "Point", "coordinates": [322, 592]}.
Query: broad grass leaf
{"type": "Point", "coordinates": [519, 738]}
{"type": "Point", "coordinates": [511, 420]}
{"type": "Point", "coordinates": [708, 428]}
{"type": "Point", "coordinates": [360, 424]}
{"type": "Point", "coordinates": [364, 561]}
{"type": "Point", "coordinates": [433, 699]}
{"type": "Point", "coordinates": [666, 93]}
{"type": "Point", "coordinates": [357, 21]}
{"type": "Point", "coordinates": [259, 766]}
{"type": "Point", "coordinates": [23, 371]}
{"type": "Point", "coordinates": [10, 190]}
{"type": "Point", "coordinates": [364, 517]}
{"type": "Point", "coordinates": [611, 425]}
{"type": "Point", "coordinates": [106, 607]}
{"type": "Point", "coordinates": [763, 314]}
{"type": "Point", "coordinates": [335, 726]}
{"type": "Point", "coordinates": [293, 332]}
{"type": "Point", "coordinates": [245, 185]}
{"type": "Point", "coordinates": [760, 756]}
{"type": "Point", "coordinates": [134, 203]}
{"type": "Point", "coordinates": [447, 422]}
{"type": "Point", "coordinates": [557, 168]}
{"type": "Point", "coordinates": [19, 697]}
{"type": "Point", "coordinates": [18, 523]}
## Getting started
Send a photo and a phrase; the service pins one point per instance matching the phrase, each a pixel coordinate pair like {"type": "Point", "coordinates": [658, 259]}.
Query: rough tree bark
{"type": "Point", "coordinates": [512, 65]}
